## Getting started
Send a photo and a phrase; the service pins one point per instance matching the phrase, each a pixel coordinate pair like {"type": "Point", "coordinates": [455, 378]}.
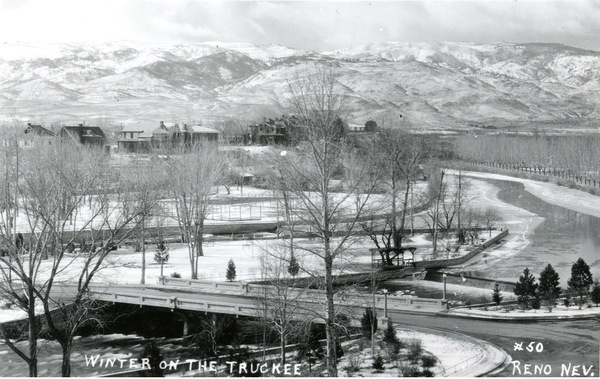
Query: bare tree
{"type": "Point", "coordinates": [64, 196]}
{"type": "Point", "coordinates": [400, 155]}
{"type": "Point", "coordinates": [282, 297]}
{"type": "Point", "coordinates": [310, 173]}
{"type": "Point", "coordinates": [195, 171]}
{"type": "Point", "coordinates": [433, 215]}
{"type": "Point", "coordinates": [143, 186]}
{"type": "Point", "coordinates": [490, 218]}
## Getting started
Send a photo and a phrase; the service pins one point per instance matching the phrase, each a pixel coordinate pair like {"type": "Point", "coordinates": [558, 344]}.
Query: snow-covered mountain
{"type": "Point", "coordinates": [430, 84]}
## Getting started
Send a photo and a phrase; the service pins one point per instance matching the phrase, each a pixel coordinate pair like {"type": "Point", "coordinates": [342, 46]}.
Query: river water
{"type": "Point", "coordinates": [560, 239]}
{"type": "Point", "coordinates": [540, 233]}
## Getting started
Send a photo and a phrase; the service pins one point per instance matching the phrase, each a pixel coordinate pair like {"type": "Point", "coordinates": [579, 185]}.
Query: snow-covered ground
{"type": "Point", "coordinates": [512, 311]}
{"type": "Point", "coordinates": [576, 200]}
{"type": "Point", "coordinates": [452, 354]}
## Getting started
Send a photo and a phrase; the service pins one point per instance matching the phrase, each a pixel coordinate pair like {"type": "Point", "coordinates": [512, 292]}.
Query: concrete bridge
{"type": "Point", "coordinates": [247, 299]}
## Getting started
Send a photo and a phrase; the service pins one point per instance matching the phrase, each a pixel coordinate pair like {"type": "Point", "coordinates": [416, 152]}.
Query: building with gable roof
{"type": "Point", "coordinates": [142, 136]}
{"type": "Point", "coordinates": [85, 135]}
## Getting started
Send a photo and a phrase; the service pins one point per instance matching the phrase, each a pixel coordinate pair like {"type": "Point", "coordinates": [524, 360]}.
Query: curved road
{"type": "Point", "coordinates": [566, 342]}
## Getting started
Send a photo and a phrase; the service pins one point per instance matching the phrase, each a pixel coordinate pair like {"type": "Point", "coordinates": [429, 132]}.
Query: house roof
{"type": "Point", "coordinates": [146, 129]}
{"type": "Point", "coordinates": [38, 130]}
{"type": "Point", "coordinates": [82, 133]}
{"type": "Point", "coordinates": [200, 129]}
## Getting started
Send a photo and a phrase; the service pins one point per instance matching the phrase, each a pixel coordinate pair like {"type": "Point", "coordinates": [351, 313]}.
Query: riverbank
{"type": "Point", "coordinates": [573, 199]}
{"type": "Point", "coordinates": [520, 222]}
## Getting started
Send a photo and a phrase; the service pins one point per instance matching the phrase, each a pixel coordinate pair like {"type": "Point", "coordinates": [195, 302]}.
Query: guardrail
{"type": "Point", "coordinates": [463, 364]}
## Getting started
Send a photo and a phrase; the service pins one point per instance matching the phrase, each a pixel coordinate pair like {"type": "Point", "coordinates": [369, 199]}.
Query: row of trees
{"type": "Point", "coordinates": [55, 197]}
{"type": "Point", "coordinates": [547, 290]}
{"type": "Point", "coordinates": [570, 157]}
{"type": "Point", "coordinates": [65, 207]}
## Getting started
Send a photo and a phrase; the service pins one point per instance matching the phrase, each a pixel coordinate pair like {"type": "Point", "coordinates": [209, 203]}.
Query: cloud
{"type": "Point", "coordinates": [324, 25]}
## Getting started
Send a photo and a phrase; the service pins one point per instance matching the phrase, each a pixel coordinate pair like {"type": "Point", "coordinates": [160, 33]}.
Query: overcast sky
{"type": "Point", "coordinates": [315, 25]}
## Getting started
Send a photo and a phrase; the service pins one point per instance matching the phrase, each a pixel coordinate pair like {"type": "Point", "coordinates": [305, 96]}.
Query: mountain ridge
{"type": "Point", "coordinates": [431, 84]}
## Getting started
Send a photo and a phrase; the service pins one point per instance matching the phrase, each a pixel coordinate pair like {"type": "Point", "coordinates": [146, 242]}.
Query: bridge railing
{"type": "Point", "coordinates": [174, 302]}
{"type": "Point", "coordinates": [258, 290]}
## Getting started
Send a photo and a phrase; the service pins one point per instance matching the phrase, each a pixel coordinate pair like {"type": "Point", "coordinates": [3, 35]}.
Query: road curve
{"type": "Point", "coordinates": [565, 342]}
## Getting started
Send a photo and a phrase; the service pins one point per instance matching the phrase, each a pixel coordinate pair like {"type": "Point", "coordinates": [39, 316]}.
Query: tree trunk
{"type": "Point", "coordinates": [199, 241]}
{"type": "Point", "coordinates": [330, 321]}
{"type": "Point", "coordinates": [66, 361]}
{"type": "Point", "coordinates": [143, 281]}
{"type": "Point", "coordinates": [436, 215]}
{"type": "Point", "coordinates": [404, 209]}
{"type": "Point", "coordinates": [282, 346]}
{"type": "Point", "coordinates": [33, 336]}
{"type": "Point", "coordinates": [395, 236]}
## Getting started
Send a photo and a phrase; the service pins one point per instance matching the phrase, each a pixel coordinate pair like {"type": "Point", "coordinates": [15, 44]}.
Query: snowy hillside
{"type": "Point", "coordinates": [443, 84]}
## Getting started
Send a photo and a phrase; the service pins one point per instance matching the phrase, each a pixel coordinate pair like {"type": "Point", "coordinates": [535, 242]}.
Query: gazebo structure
{"type": "Point", "coordinates": [393, 257]}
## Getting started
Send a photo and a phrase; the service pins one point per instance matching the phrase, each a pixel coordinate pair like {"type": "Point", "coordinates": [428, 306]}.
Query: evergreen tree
{"type": "Point", "coordinates": [389, 335]}
{"type": "Point", "coordinates": [581, 279]}
{"type": "Point", "coordinates": [368, 323]}
{"type": "Point", "coordinates": [162, 255]}
{"type": "Point", "coordinates": [378, 363]}
{"type": "Point", "coordinates": [525, 289]}
{"type": "Point", "coordinates": [548, 288]}
{"type": "Point", "coordinates": [162, 252]}
{"type": "Point", "coordinates": [596, 292]}
{"type": "Point", "coordinates": [230, 275]}
{"type": "Point", "coordinates": [294, 266]}
{"type": "Point", "coordinates": [536, 303]}
{"type": "Point", "coordinates": [391, 339]}
{"type": "Point", "coordinates": [310, 347]}
{"type": "Point", "coordinates": [497, 295]}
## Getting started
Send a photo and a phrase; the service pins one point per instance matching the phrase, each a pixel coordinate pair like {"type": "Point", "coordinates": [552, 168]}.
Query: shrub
{"type": "Point", "coordinates": [428, 361]}
{"type": "Point", "coordinates": [389, 335]}
{"type": "Point", "coordinates": [378, 363]}
{"type": "Point", "coordinates": [596, 292]}
{"type": "Point", "coordinates": [175, 275]}
{"type": "Point", "coordinates": [152, 353]}
{"type": "Point", "coordinates": [410, 371]}
{"type": "Point", "coordinates": [368, 322]}
{"type": "Point", "coordinates": [354, 362]}
{"type": "Point", "coordinates": [535, 303]}
{"type": "Point", "coordinates": [427, 373]}
{"type": "Point", "coordinates": [362, 344]}
{"type": "Point", "coordinates": [414, 351]}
